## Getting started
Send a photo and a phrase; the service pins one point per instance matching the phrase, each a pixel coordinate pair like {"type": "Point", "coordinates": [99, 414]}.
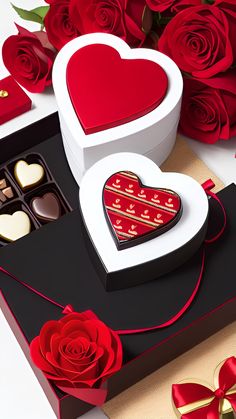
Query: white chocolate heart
{"type": "Point", "coordinates": [15, 226]}
{"type": "Point", "coordinates": [28, 175]}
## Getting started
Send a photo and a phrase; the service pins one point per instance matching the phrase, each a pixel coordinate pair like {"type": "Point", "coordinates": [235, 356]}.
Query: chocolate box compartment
{"type": "Point", "coordinates": [59, 265]}
{"type": "Point", "coordinates": [18, 205]}
{"type": "Point", "coordinates": [30, 158]}
{"type": "Point", "coordinates": [43, 138]}
{"type": "Point", "coordinates": [33, 156]}
{"type": "Point", "coordinates": [10, 183]}
{"type": "Point", "coordinates": [42, 190]}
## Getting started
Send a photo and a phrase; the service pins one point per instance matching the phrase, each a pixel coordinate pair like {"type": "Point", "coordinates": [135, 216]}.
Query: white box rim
{"type": "Point", "coordinates": [162, 112]}
{"type": "Point", "coordinates": [195, 210]}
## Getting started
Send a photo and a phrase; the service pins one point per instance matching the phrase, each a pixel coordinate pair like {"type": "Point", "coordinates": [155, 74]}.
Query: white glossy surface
{"type": "Point", "coordinates": [141, 135]}
{"type": "Point", "coordinates": [21, 397]}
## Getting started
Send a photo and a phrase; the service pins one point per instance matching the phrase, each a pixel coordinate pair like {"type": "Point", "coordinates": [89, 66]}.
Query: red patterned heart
{"type": "Point", "coordinates": [107, 90]}
{"type": "Point", "coordinates": [136, 213]}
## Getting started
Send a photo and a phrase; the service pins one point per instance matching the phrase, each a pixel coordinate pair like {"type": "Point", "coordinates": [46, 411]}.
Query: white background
{"type": "Point", "coordinates": [21, 397]}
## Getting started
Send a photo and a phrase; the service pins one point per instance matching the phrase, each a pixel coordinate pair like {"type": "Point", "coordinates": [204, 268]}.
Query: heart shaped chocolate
{"type": "Point", "coordinates": [47, 207]}
{"type": "Point", "coordinates": [28, 175]}
{"type": "Point", "coordinates": [136, 213]}
{"type": "Point", "coordinates": [106, 183]}
{"type": "Point", "coordinates": [15, 226]}
{"type": "Point", "coordinates": [107, 90]}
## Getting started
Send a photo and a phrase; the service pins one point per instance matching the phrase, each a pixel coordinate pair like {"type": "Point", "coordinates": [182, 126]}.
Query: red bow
{"type": "Point", "coordinates": [196, 401]}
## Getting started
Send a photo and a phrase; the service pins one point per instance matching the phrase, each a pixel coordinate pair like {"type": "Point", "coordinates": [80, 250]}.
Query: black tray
{"type": "Point", "coordinates": [59, 265]}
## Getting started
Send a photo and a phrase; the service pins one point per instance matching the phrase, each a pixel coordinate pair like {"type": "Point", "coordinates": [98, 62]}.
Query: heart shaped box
{"type": "Point", "coordinates": [152, 134]}
{"type": "Point", "coordinates": [152, 258]}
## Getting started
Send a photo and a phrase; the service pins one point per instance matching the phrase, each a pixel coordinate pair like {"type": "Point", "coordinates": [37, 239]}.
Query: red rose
{"type": "Point", "coordinates": [77, 351]}
{"type": "Point", "coordinates": [229, 8]}
{"type": "Point", "coordinates": [29, 58]}
{"type": "Point", "coordinates": [119, 17]}
{"type": "Point", "coordinates": [209, 113]}
{"type": "Point", "coordinates": [197, 39]}
{"type": "Point", "coordinates": [58, 24]}
{"type": "Point", "coordinates": [173, 5]}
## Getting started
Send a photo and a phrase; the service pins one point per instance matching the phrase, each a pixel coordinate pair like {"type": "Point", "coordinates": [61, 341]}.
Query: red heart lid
{"type": "Point", "coordinates": [107, 90]}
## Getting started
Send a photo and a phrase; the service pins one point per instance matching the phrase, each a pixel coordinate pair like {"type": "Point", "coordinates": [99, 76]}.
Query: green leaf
{"type": "Point", "coordinates": [160, 20]}
{"type": "Point", "coordinates": [156, 18]}
{"type": "Point", "coordinates": [35, 15]}
{"type": "Point", "coordinates": [41, 11]}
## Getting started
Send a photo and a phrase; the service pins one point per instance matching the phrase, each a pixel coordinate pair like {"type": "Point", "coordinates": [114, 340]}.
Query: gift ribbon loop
{"type": "Point", "coordinates": [179, 314]}
{"type": "Point", "coordinates": [196, 401]}
{"type": "Point", "coordinates": [65, 309]}
{"type": "Point", "coordinates": [207, 186]}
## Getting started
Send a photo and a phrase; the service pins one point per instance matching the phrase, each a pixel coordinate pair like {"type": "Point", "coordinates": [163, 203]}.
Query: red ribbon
{"type": "Point", "coordinates": [207, 186]}
{"type": "Point", "coordinates": [94, 396]}
{"type": "Point", "coordinates": [98, 396]}
{"type": "Point", "coordinates": [187, 393]}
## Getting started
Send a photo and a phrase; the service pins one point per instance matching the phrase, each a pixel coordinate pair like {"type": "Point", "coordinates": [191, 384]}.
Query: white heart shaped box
{"type": "Point", "coordinates": [148, 260]}
{"type": "Point", "coordinates": [153, 134]}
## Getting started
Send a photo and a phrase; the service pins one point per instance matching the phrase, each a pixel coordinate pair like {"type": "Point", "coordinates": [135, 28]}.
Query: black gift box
{"type": "Point", "coordinates": [55, 260]}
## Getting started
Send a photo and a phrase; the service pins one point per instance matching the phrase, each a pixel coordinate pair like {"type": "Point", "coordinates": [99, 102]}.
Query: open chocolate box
{"type": "Point", "coordinates": [14, 197]}
{"type": "Point", "coordinates": [55, 260]}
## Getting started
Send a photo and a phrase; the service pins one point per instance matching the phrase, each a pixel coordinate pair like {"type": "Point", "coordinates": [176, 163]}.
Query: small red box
{"type": "Point", "coordinates": [15, 102]}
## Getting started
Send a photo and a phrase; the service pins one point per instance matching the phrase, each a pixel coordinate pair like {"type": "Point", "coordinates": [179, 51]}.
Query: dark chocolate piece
{"type": "Point", "coordinates": [47, 207]}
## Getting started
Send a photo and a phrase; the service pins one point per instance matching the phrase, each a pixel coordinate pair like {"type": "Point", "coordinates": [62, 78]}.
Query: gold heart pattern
{"type": "Point", "coordinates": [136, 213]}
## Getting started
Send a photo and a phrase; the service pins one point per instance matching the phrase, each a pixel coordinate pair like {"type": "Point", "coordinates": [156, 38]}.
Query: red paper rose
{"type": "Point", "coordinates": [58, 24]}
{"type": "Point", "coordinates": [209, 113]}
{"type": "Point", "coordinates": [29, 58]}
{"type": "Point", "coordinates": [197, 39]}
{"type": "Point", "coordinates": [173, 5]}
{"type": "Point", "coordinates": [118, 17]}
{"type": "Point", "coordinates": [77, 351]}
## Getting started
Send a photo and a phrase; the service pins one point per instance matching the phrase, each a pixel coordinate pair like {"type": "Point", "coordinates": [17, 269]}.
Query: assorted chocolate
{"type": "Point", "coordinates": [29, 198]}
{"type": "Point", "coordinates": [47, 207]}
{"type": "Point", "coordinates": [136, 213]}
{"type": "Point", "coordinates": [6, 191]}
{"type": "Point", "coordinates": [14, 226]}
{"type": "Point", "coordinates": [28, 175]}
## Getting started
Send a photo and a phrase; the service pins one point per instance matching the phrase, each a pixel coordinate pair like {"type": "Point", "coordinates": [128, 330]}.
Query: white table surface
{"type": "Point", "coordinates": [21, 397]}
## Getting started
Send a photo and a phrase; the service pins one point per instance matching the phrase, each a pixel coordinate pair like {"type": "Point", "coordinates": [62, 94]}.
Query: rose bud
{"type": "Point", "coordinates": [173, 6]}
{"type": "Point", "coordinates": [29, 58]}
{"type": "Point", "coordinates": [58, 24]}
{"type": "Point", "coordinates": [76, 352]}
{"type": "Point", "coordinates": [229, 8]}
{"type": "Point", "coordinates": [118, 17]}
{"type": "Point", "coordinates": [197, 39]}
{"type": "Point", "coordinates": [208, 113]}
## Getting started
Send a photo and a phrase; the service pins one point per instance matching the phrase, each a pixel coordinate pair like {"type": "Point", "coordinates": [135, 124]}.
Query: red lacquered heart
{"type": "Point", "coordinates": [136, 213]}
{"type": "Point", "coordinates": [107, 90]}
